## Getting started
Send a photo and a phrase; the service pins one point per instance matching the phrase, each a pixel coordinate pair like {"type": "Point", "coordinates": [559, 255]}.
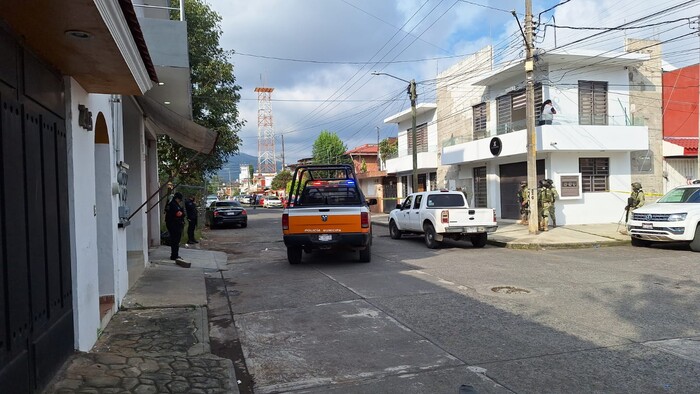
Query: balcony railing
{"type": "Point", "coordinates": [521, 125]}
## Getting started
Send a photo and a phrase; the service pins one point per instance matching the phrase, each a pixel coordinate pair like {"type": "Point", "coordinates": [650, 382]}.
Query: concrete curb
{"type": "Point", "coordinates": [551, 246]}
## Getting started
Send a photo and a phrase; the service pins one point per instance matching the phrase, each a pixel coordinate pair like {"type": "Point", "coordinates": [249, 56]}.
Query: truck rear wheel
{"type": "Point", "coordinates": [294, 254]}
{"type": "Point", "coordinates": [479, 240]}
{"type": "Point", "coordinates": [394, 231]}
{"type": "Point", "coordinates": [366, 254]}
{"type": "Point", "coordinates": [430, 234]}
{"type": "Point", "coordinates": [695, 243]}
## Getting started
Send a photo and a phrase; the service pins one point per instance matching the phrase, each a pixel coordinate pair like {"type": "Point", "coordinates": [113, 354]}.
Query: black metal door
{"type": "Point", "coordinates": [511, 176]}
{"type": "Point", "coordinates": [36, 319]}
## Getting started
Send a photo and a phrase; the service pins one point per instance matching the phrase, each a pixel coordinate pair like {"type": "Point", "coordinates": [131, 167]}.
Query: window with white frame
{"type": "Point", "coordinates": [595, 172]}
{"type": "Point", "coordinates": [511, 110]}
{"type": "Point", "coordinates": [592, 103]}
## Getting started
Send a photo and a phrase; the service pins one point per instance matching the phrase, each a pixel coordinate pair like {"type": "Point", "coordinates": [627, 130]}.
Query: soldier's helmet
{"type": "Point", "coordinates": [542, 182]}
{"type": "Point", "coordinates": [636, 185]}
{"type": "Point", "coordinates": [549, 182]}
{"type": "Point", "coordinates": [523, 183]}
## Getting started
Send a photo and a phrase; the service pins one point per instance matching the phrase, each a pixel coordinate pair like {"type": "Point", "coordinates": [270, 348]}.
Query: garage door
{"type": "Point", "coordinates": [511, 176]}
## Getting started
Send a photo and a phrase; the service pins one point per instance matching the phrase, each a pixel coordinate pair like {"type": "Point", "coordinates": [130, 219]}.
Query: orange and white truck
{"type": "Point", "coordinates": [326, 211]}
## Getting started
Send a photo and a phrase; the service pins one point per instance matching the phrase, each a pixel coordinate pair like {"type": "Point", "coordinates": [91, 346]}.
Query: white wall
{"type": "Point", "coordinates": [598, 207]}
{"type": "Point", "coordinates": [135, 157]}
{"type": "Point", "coordinates": [83, 223]}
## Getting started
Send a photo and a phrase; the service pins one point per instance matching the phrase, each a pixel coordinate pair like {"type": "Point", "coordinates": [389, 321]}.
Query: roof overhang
{"type": "Point", "coordinates": [163, 121]}
{"type": "Point", "coordinates": [573, 59]}
{"type": "Point", "coordinates": [97, 42]}
{"type": "Point", "coordinates": [406, 115]}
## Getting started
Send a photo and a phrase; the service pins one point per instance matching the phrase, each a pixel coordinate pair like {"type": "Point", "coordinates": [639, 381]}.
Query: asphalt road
{"type": "Point", "coordinates": [415, 320]}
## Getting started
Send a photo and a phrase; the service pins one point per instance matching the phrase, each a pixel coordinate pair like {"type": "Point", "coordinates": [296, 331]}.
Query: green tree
{"type": "Point", "coordinates": [280, 180]}
{"type": "Point", "coordinates": [214, 184]}
{"type": "Point", "coordinates": [363, 166]}
{"type": "Point", "coordinates": [215, 98]}
{"type": "Point", "coordinates": [329, 149]}
{"type": "Point", "coordinates": [388, 148]}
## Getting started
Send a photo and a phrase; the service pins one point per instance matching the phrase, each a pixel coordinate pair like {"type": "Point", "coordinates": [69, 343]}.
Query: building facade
{"type": "Point", "coordinates": [595, 146]}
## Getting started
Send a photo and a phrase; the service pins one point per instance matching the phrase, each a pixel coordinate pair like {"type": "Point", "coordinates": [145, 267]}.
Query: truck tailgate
{"type": "Point", "coordinates": [324, 220]}
{"type": "Point", "coordinates": [470, 216]}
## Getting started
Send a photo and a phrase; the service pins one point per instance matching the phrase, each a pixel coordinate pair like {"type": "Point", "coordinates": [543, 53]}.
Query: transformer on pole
{"type": "Point", "coordinates": [266, 133]}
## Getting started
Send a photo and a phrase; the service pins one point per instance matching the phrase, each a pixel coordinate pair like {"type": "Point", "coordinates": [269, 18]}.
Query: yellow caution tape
{"type": "Point", "coordinates": [628, 192]}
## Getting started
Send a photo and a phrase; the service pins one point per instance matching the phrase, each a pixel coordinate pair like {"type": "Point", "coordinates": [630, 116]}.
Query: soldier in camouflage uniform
{"type": "Point", "coordinates": [635, 200]}
{"type": "Point", "coordinates": [548, 195]}
{"type": "Point", "coordinates": [524, 203]}
{"type": "Point", "coordinates": [540, 187]}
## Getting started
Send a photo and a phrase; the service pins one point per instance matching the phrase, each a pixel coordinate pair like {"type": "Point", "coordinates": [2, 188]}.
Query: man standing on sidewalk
{"type": "Point", "coordinates": [524, 203]}
{"type": "Point", "coordinates": [191, 208]}
{"type": "Point", "coordinates": [548, 196]}
{"type": "Point", "coordinates": [175, 221]}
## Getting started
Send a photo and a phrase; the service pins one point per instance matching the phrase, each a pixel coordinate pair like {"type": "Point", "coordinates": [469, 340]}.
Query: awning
{"type": "Point", "coordinates": [161, 120]}
{"type": "Point", "coordinates": [689, 144]}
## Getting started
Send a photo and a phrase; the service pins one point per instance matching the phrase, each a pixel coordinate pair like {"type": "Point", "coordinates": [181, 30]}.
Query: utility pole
{"type": "Point", "coordinates": [533, 220]}
{"type": "Point", "coordinates": [412, 93]}
{"type": "Point", "coordinates": [283, 162]}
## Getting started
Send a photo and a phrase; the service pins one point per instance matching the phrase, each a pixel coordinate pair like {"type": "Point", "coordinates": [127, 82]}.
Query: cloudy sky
{"type": "Point", "coordinates": [318, 55]}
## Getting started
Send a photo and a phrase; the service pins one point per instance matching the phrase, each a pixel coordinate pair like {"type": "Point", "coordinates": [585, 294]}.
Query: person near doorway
{"type": "Point", "coordinates": [191, 209]}
{"type": "Point", "coordinates": [548, 196]}
{"type": "Point", "coordinates": [523, 196]}
{"type": "Point", "coordinates": [175, 221]}
{"type": "Point", "coordinates": [548, 112]}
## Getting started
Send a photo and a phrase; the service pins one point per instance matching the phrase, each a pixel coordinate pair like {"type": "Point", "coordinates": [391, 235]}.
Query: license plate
{"type": "Point", "coordinates": [471, 229]}
{"type": "Point", "coordinates": [325, 237]}
{"type": "Point", "coordinates": [647, 226]}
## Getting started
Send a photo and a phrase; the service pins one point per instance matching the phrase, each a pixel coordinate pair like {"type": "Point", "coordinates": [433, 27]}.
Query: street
{"type": "Point", "coordinates": [617, 319]}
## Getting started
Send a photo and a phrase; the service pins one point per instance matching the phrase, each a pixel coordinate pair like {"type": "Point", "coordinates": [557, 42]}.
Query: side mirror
{"type": "Point", "coordinates": [372, 201]}
{"type": "Point", "coordinates": [399, 206]}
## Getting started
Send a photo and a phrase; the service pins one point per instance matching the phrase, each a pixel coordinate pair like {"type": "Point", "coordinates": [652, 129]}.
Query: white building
{"type": "Point", "coordinates": [426, 148]}
{"type": "Point", "coordinates": [589, 150]}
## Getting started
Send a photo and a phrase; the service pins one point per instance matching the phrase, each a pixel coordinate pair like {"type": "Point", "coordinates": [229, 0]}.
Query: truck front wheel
{"type": "Point", "coordinates": [394, 231]}
{"type": "Point", "coordinates": [430, 234]}
{"type": "Point", "coordinates": [695, 243]}
{"type": "Point", "coordinates": [479, 240]}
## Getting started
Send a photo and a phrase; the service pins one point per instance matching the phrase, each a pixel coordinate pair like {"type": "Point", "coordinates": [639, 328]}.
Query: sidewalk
{"type": "Point", "coordinates": [159, 341]}
{"type": "Point", "coordinates": [517, 236]}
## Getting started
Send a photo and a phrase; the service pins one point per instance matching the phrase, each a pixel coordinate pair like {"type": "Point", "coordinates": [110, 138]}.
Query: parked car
{"type": "Point", "coordinates": [244, 199]}
{"type": "Point", "coordinates": [673, 218]}
{"type": "Point", "coordinates": [442, 214]}
{"type": "Point", "coordinates": [272, 202]}
{"type": "Point", "coordinates": [210, 199]}
{"type": "Point", "coordinates": [220, 213]}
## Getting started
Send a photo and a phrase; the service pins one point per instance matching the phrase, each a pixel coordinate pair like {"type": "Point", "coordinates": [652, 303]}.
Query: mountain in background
{"type": "Point", "coordinates": [232, 168]}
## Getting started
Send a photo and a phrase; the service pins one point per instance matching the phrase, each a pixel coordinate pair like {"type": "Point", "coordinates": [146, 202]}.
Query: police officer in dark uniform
{"type": "Point", "coordinates": [175, 221]}
{"type": "Point", "coordinates": [191, 208]}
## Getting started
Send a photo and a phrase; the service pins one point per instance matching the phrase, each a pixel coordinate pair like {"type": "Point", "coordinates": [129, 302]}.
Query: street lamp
{"type": "Point", "coordinates": [412, 94]}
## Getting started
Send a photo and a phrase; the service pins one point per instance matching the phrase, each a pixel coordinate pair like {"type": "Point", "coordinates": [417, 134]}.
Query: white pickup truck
{"type": "Point", "coordinates": [673, 218]}
{"type": "Point", "coordinates": [442, 214]}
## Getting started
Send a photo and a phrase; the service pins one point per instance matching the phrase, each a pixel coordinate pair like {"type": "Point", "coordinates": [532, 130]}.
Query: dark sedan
{"type": "Point", "coordinates": [220, 213]}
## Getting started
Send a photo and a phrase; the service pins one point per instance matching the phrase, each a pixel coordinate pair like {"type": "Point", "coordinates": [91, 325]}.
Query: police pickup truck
{"type": "Point", "coordinates": [326, 211]}
{"type": "Point", "coordinates": [442, 214]}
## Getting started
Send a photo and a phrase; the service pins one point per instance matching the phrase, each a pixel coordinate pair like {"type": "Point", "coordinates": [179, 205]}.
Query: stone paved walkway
{"type": "Point", "coordinates": [162, 350]}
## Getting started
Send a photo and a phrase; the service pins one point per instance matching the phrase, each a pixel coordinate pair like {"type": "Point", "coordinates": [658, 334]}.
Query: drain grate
{"type": "Point", "coordinates": [509, 290]}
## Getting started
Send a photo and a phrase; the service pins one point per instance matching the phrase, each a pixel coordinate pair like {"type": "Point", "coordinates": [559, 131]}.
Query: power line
{"type": "Point", "coordinates": [615, 28]}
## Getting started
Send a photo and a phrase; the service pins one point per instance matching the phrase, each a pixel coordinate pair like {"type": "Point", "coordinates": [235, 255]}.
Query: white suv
{"type": "Point", "coordinates": [272, 201]}
{"type": "Point", "coordinates": [673, 218]}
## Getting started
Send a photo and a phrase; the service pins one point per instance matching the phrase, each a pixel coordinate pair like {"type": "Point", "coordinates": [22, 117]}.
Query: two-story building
{"type": "Point", "coordinates": [596, 145]}
{"type": "Point", "coordinates": [365, 160]}
{"type": "Point", "coordinates": [401, 166]}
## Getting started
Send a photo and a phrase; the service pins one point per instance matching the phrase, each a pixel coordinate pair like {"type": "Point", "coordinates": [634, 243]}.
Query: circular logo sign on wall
{"type": "Point", "coordinates": [495, 146]}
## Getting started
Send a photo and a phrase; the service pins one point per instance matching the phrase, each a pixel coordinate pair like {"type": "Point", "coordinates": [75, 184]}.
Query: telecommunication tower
{"type": "Point", "coordinates": [266, 133]}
